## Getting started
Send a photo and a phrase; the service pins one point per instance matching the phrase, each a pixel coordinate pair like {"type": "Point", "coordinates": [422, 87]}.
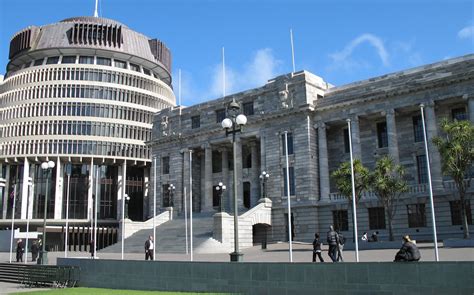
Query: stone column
{"type": "Point", "coordinates": [24, 188]}
{"type": "Point", "coordinates": [356, 149]}
{"type": "Point", "coordinates": [324, 188]}
{"type": "Point", "coordinates": [238, 169]}
{"type": "Point", "coordinates": [58, 196]}
{"type": "Point", "coordinates": [225, 179]}
{"type": "Point", "coordinates": [392, 136]}
{"type": "Point", "coordinates": [470, 104]}
{"type": "Point", "coordinates": [435, 158]}
{"type": "Point", "coordinates": [207, 197]}
{"type": "Point", "coordinates": [255, 181]}
{"type": "Point", "coordinates": [185, 181]}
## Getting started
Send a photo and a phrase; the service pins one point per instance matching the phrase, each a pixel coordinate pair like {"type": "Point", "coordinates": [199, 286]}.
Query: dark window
{"type": "Point", "coordinates": [52, 60]}
{"type": "Point", "coordinates": [70, 59]}
{"type": "Point", "coordinates": [340, 220]}
{"type": "Point", "coordinates": [38, 62]}
{"type": "Point", "coordinates": [216, 162]}
{"type": "Point", "coordinates": [292, 182]}
{"type": "Point", "coordinates": [216, 196]}
{"type": "Point", "coordinates": [195, 122]}
{"type": "Point", "coordinates": [382, 134]}
{"type": "Point", "coordinates": [416, 215]}
{"type": "Point", "coordinates": [248, 108]}
{"type": "Point", "coordinates": [246, 192]}
{"type": "Point", "coordinates": [376, 218]}
{"type": "Point", "coordinates": [456, 215]}
{"type": "Point", "coordinates": [345, 134]}
{"type": "Point", "coordinates": [104, 61]}
{"type": "Point", "coordinates": [165, 164]}
{"type": "Point", "coordinates": [86, 60]}
{"type": "Point", "coordinates": [290, 144]}
{"type": "Point", "coordinates": [459, 114]}
{"type": "Point", "coordinates": [220, 115]}
{"type": "Point", "coordinates": [167, 198]}
{"type": "Point", "coordinates": [120, 64]}
{"type": "Point", "coordinates": [418, 128]}
{"type": "Point", "coordinates": [246, 158]}
{"type": "Point", "coordinates": [135, 67]}
{"type": "Point", "coordinates": [422, 169]}
{"type": "Point", "coordinates": [146, 72]}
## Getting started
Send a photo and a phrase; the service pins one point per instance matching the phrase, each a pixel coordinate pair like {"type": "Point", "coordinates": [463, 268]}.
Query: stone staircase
{"type": "Point", "coordinates": [171, 237]}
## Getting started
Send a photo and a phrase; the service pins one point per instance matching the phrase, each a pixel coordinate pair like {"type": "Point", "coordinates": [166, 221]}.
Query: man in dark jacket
{"type": "Point", "coordinates": [317, 248]}
{"type": "Point", "coordinates": [20, 249]}
{"type": "Point", "coordinates": [332, 240]}
{"type": "Point", "coordinates": [408, 252]}
{"type": "Point", "coordinates": [149, 246]}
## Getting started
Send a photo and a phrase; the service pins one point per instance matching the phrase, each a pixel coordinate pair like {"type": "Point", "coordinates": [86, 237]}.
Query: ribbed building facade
{"type": "Point", "coordinates": [80, 92]}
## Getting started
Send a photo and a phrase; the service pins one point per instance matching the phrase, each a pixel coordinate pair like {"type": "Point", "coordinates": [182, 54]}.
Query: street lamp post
{"type": "Point", "coordinates": [263, 178]}
{"type": "Point", "coordinates": [127, 200]}
{"type": "Point", "coordinates": [220, 188]}
{"type": "Point", "coordinates": [171, 189]}
{"type": "Point", "coordinates": [47, 167]}
{"type": "Point", "coordinates": [233, 125]}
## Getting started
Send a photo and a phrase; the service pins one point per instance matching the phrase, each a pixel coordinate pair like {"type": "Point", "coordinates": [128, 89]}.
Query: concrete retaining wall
{"type": "Point", "coordinates": [279, 278]}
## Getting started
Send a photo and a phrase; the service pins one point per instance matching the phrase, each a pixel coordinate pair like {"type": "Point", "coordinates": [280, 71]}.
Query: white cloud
{"type": "Point", "coordinates": [343, 58]}
{"type": "Point", "coordinates": [466, 32]}
{"type": "Point", "coordinates": [257, 72]}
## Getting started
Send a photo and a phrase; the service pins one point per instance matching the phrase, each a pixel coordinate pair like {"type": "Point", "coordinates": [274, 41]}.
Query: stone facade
{"type": "Point", "coordinates": [384, 116]}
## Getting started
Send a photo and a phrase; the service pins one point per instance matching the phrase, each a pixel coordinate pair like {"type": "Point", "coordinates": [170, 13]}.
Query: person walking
{"type": "Point", "coordinates": [20, 249]}
{"type": "Point", "coordinates": [341, 240]}
{"type": "Point", "coordinates": [332, 242]}
{"type": "Point", "coordinates": [408, 252]}
{"type": "Point", "coordinates": [317, 248]}
{"type": "Point", "coordinates": [34, 251]}
{"type": "Point", "coordinates": [149, 246]}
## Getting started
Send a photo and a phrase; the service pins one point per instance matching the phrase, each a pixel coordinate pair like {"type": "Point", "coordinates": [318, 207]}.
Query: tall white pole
{"type": "Point", "coordinates": [289, 197]}
{"type": "Point", "coordinates": [179, 87]}
{"type": "Point", "coordinates": [13, 221]}
{"type": "Point", "coordinates": [97, 188]}
{"type": "Point", "coordinates": [124, 183]}
{"type": "Point", "coordinates": [154, 206]}
{"type": "Point", "coordinates": [191, 203]}
{"type": "Point", "coordinates": [223, 72]}
{"type": "Point", "coordinates": [292, 51]}
{"type": "Point", "coordinates": [186, 221]}
{"type": "Point", "coordinates": [354, 209]}
{"type": "Point", "coordinates": [28, 201]}
{"type": "Point", "coordinates": [96, 11]}
{"type": "Point", "coordinates": [66, 238]}
{"type": "Point", "coordinates": [433, 220]}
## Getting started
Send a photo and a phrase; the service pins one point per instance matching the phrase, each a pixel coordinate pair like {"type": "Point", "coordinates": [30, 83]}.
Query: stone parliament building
{"type": "Point", "coordinates": [385, 119]}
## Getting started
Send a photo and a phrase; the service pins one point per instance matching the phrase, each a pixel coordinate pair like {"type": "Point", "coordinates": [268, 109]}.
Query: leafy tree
{"type": "Point", "coordinates": [342, 177]}
{"type": "Point", "coordinates": [456, 148]}
{"type": "Point", "coordinates": [387, 182]}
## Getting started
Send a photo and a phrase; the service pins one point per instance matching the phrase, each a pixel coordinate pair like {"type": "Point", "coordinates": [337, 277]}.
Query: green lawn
{"type": "Point", "coordinates": [96, 291]}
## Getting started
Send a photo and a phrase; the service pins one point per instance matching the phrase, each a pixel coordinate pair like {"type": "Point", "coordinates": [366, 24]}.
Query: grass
{"type": "Point", "coordinates": [97, 291]}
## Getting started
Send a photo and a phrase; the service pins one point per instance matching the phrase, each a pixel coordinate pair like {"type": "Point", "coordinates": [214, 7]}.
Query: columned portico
{"type": "Point", "coordinates": [207, 197]}
{"type": "Point", "coordinates": [255, 185]}
{"type": "Point", "coordinates": [392, 135]}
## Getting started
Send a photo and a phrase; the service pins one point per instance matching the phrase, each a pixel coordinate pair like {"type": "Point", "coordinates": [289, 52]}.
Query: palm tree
{"type": "Point", "coordinates": [342, 177]}
{"type": "Point", "coordinates": [456, 148]}
{"type": "Point", "coordinates": [387, 182]}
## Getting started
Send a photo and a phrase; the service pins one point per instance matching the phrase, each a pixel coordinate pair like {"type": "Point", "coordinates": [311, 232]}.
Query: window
{"type": "Point", "coordinates": [70, 59]}
{"type": "Point", "coordinates": [195, 122]}
{"type": "Point", "coordinates": [418, 128]}
{"type": "Point", "coordinates": [376, 218]}
{"type": "Point", "coordinates": [248, 108]}
{"type": "Point", "coordinates": [216, 162]}
{"type": "Point", "coordinates": [52, 60]}
{"type": "Point", "coordinates": [165, 164]}
{"type": "Point", "coordinates": [38, 62]}
{"type": "Point", "coordinates": [340, 220]}
{"type": "Point", "coordinates": [292, 182]}
{"type": "Point", "coordinates": [416, 215]}
{"type": "Point", "coordinates": [290, 144]}
{"type": "Point", "coordinates": [459, 114]}
{"type": "Point", "coordinates": [146, 72]}
{"type": "Point", "coordinates": [382, 134]}
{"type": "Point", "coordinates": [220, 115]}
{"type": "Point", "coordinates": [120, 64]}
{"type": "Point", "coordinates": [134, 67]}
{"type": "Point", "coordinates": [167, 196]}
{"type": "Point", "coordinates": [104, 61]}
{"type": "Point", "coordinates": [86, 60]}
{"type": "Point", "coordinates": [456, 215]}
{"type": "Point", "coordinates": [345, 134]}
{"type": "Point", "coordinates": [422, 169]}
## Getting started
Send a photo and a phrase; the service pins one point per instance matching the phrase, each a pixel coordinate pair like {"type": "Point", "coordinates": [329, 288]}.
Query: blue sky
{"type": "Point", "coordinates": [340, 41]}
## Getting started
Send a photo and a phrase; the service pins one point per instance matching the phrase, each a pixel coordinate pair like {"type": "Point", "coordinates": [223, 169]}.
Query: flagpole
{"type": "Point", "coordinates": [292, 50]}
{"type": "Point", "coordinates": [186, 220]}
{"type": "Point", "coordinates": [97, 189]}
{"type": "Point", "coordinates": [433, 220]}
{"type": "Point", "coordinates": [66, 239]}
{"type": "Point", "coordinates": [354, 209]}
{"type": "Point", "coordinates": [288, 194]}
{"type": "Point", "coordinates": [30, 183]}
{"type": "Point", "coordinates": [154, 206]}
{"type": "Point", "coordinates": [191, 203]}
{"type": "Point", "coordinates": [13, 221]}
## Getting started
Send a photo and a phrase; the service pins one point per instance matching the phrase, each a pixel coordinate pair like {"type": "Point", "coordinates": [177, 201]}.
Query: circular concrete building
{"type": "Point", "coordinates": [82, 93]}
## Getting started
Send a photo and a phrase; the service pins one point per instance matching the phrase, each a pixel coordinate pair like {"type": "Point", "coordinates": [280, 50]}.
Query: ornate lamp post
{"type": "Point", "coordinates": [127, 199]}
{"type": "Point", "coordinates": [233, 125]}
{"type": "Point", "coordinates": [263, 178]}
{"type": "Point", "coordinates": [171, 189]}
{"type": "Point", "coordinates": [47, 167]}
{"type": "Point", "coordinates": [220, 188]}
